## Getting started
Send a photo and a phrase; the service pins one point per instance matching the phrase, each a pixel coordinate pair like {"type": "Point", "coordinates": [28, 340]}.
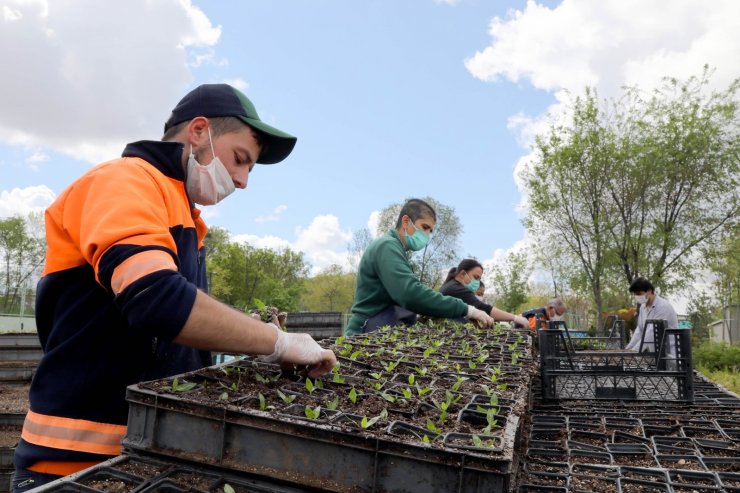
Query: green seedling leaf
{"type": "Point", "coordinates": [354, 355]}
{"type": "Point", "coordinates": [353, 395]}
{"type": "Point", "coordinates": [228, 488]}
{"type": "Point", "coordinates": [263, 401]}
{"type": "Point", "coordinates": [376, 375]}
{"type": "Point", "coordinates": [412, 379]}
{"type": "Point", "coordinates": [502, 386]}
{"type": "Point", "coordinates": [332, 404]}
{"type": "Point", "coordinates": [310, 386]}
{"type": "Point", "coordinates": [286, 398]}
{"type": "Point", "coordinates": [389, 397]}
{"type": "Point", "coordinates": [340, 340]}
{"type": "Point", "coordinates": [338, 379]}
{"type": "Point", "coordinates": [312, 413]}
{"type": "Point", "coordinates": [367, 423]}
{"type": "Point", "coordinates": [407, 392]}
{"type": "Point", "coordinates": [183, 386]}
{"type": "Point", "coordinates": [432, 427]}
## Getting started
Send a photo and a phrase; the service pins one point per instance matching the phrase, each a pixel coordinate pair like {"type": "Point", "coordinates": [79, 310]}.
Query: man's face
{"type": "Point", "coordinates": [238, 151]}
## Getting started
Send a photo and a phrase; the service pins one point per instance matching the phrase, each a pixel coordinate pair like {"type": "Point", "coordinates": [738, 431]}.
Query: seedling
{"type": "Point", "coordinates": [353, 395]}
{"type": "Point", "coordinates": [422, 391]}
{"type": "Point", "coordinates": [458, 383]}
{"type": "Point", "coordinates": [483, 443]}
{"type": "Point", "coordinates": [183, 386]}
{"type": "Point", "coordinates": [286, 398]}
{"type": "Point", "coordinates": [228, 488]}
{"type": "Point", "coordinates": [389, 397]}
{"type": "Point", "coordinates": [265, 312]}
{"type": "Point", "coordinates": [407, 392]}
{"type": "Point", "coordinates": [337, 378]}
{"type": "Point", "coordinates": [224, 396]}
{"type": "Point", "coordinates": [432, 427]}
{"type": "Point", "coordinates": [310, 387]}
{"type": "Point", "coordinates": [411, 379]}
{"type": "Point", "coordinates": [339, 340]}
{"type": "Point", "coordinates": [312, 413]}
{"type": "Point", "coordinates": [491, 422]}
{"type": "Point", "coordinates": [367, 423]}
{"type": "Point", "coordinates": [332, 404]}
{"type": "Point", "coordinates": [421, 370]}
{"type": "Point", "coordinates": [263, 401]}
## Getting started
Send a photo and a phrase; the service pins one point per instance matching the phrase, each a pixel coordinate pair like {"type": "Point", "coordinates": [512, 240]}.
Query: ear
{"type": "Point", "coordinates": [197, 131]}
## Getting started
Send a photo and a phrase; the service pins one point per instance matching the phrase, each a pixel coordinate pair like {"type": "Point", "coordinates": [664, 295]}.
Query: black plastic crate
{"type": "Point", "coordinates": [663, 375]}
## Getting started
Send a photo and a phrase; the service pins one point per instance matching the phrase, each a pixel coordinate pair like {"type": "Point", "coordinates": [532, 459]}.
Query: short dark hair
{"type": "Point", "coordinates": [464, 265]}
{"type": "Point", "coordinates": [219, 125]}
{"type": "Point", "coordinates": [416, 209]}
{"type": "Point", "coordinates": [641, 284]}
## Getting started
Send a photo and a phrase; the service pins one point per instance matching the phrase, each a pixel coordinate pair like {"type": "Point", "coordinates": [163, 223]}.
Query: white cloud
{"type": "Point", "coordinates": [240, 84]}
{"type": "Point", "coordinates": [323, 242]}
{"type": "Point", "coordinates": [320, 241]}
{"type": "Point", "coordinates": [22, 201]}
{"type": "Point", "coordinates": [608, 44]}
{"type": "Point", "coordinates": [611, 43]}
{"type": "Point", "coordinates": [275, 216]}
{"type": "Point", "coordinates": [372, 223]}
{"type": "Point", "coordinates": [88, 76]}
{"type": "Point", "coordinates": [447, 2]}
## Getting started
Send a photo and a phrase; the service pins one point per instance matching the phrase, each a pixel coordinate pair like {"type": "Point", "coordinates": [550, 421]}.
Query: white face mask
{"type": "Point", "coordinates": [208, 184]}
{"type": "Point", "coordinates": [641, 299]}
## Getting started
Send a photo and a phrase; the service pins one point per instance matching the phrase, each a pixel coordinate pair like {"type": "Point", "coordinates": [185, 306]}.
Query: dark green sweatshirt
{"type": "Point", "coordinates": [385, 278]}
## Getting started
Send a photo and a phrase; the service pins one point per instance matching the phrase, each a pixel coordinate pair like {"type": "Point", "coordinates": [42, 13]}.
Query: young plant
{"type": "Point", "coordinates": [422, 391]}
{"type": "Point", "coordinates": [432, 427]}
{"type": "Point", "coordinates": [491, 422]}
{"type": "Point", "coordinates": [228, 488]}
{"type": "Point", "coordinates": [367, 423]}
{"type": "Point", "coordinates": [337, 378]}
{"type": "Point", "coordinates": [286, 398]}
{"type": "Point", "coordinates": [407, 392]}
{"type": "Point", "coordinates": [353, 395]}
{"type": "Point", "coordinates": [388, 397]}
{"type": "Point", "coordinates": [312, 413]}
{"type": "Point", "coordinates": [310, 387]}
{"type": "Point", "coordinates": [483, 443]}
{"type": "Point", "coordinates": [178, 386]}
{"type": "Point", "coordinates": [264, 311]}
{"type": "Point", "coordinates": [458, 383]}
{"type": "Point", "coordinates": [263, 401]}
{"type": "Point", "coordinates": [332, 404]}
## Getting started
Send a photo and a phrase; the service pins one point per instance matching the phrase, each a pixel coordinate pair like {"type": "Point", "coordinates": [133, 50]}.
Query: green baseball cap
{"type": "Point", "coordinates": [213, 100]}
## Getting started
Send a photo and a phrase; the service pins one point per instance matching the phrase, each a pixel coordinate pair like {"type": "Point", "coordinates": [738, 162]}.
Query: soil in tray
{"type": "Point", "coordinates": [641, 488]}
{"type": "Point", "coordinates": [9, 435]}
{"type": "Point", "coordinates": [589, 483]}
{"type": "Point", "coordinates": [142, 469]}
{"type": "Point", "coordinates": [14, 398]}
{"type": "Point", "coordinates": [634, 460]}
{"type": "Point", "coordinates": [110, 485]}
{"type": "Point", "coordinates": [545, 480]}
{"type": "Point", "coordinates": [191, 480]}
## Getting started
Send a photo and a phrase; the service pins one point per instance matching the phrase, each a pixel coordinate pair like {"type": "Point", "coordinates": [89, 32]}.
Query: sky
{"type": "Point", "coordinates": [389, 99]}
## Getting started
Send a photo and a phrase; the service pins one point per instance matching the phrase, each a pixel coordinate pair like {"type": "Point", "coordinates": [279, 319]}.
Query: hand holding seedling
{"type": "Point", "coordinates": [301, 349]}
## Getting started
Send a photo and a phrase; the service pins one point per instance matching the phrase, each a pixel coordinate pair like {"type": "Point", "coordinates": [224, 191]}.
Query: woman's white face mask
{"type": "Point", "coordinates": [208, 184]}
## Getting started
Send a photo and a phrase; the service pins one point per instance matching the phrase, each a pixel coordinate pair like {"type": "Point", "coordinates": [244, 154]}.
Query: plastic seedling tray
{"type": "Point", "coordinates": [546, 479]}
{"type": "Point", "coordinates": [589, 457]}
{"type": "Point", "coordinates": [640, 486]}
{"type": "Point", "coordinates": [683, 462]}
{"type": "Point", "coordinates": [730, 481]}
{"type": "Point", "coordinates": [579, 483]}
{"type": "Point", "coordinates": [533, 488]}
{"type": "Point", "coordinates": [542, 466]}
{"type": "Point", "coordinates": [644, 474]}
{"type": "Point", "coordinates": [693, 478]}
{"type": "Point", "coordinates": [722, 464]}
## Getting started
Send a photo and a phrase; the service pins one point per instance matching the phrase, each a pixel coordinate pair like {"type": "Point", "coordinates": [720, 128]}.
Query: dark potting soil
{"type": "Point", "coordinates": [9, 435]}
{"type": "Point", "coordinates": [594, 484]}
{"type": "Point", "coordinates": [110, 485]}
{"type": "Point", "coordinates": [14, 398]}
{"type": "Point", "coordinates": [142, 469]}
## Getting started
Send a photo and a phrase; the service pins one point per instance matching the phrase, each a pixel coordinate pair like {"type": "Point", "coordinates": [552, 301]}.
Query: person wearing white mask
{"type": "Point", "coordinates": [464, 281]}
{"type": "Point", "coordinates": [387, 292]}
{"type": "Point", "coordinates": [123, 299]}
{"type": "Point", "coordinates": [651, 307]}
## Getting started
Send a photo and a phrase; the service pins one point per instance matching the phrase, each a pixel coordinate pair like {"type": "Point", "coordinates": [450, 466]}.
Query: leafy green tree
{"type": "Point", "coordinates": [331, 290]}
{"type": "Point", "coordinates": [632, 187]}
{"type": "Point", "coordinates": [22, 252]}
{"type": "Point", "coordinates": [240, 274]}
{"type": "Point", "coordinates": [510, 281]}
{"type": "Point", "coordinates": [441, 252]}
{"type": "Point", "coordinates": [703, 309]}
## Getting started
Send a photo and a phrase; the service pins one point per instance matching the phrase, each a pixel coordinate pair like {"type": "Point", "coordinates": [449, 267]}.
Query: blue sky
{"type": "Point", "coordinates": [389, 98]}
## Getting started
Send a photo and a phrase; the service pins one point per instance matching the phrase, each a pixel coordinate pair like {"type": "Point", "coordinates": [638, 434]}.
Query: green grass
{"type": "Point", "coordinates": [728, 379]}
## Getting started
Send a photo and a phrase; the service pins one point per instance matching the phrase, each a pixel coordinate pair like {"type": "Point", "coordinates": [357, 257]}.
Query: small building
{"type": "Point", "coordinates": [727, 329]}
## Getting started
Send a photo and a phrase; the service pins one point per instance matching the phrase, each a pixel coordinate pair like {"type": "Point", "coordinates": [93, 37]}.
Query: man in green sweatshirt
{"type": "Point", "coordinates": [388, 292]}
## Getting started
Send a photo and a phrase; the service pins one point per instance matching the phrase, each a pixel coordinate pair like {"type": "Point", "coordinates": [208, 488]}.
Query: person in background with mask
{"type": "Point", "coordinates": [481, 291]}
{"type": "Point", "coordinates": [651, 307]}
{"type": "Point", "coordinates": [554, 310]}
{"type": "Point", "coordinates": [464, 280]}
{"type": "Point", "coordinates": [122, 297]}
{"type": "Point", "coordinates": [387, 292]}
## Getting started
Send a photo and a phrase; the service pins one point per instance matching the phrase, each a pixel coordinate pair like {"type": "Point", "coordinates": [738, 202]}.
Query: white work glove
{"type": "Point", "coordinates": [519, 320]}
{"type": "Point", "coordinates": [301, 349]}
{"type": "Point", "coordinates": [479, 315]}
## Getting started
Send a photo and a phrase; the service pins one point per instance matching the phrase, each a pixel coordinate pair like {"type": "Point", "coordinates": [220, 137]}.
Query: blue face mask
{"type": "Point", "coordinates": [416, 241]}
{"type": "Point", "coordinates": [473, 285]}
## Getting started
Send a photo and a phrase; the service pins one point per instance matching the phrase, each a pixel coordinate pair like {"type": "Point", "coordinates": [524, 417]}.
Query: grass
{"type": "Point", "coordinates": [728, 379]}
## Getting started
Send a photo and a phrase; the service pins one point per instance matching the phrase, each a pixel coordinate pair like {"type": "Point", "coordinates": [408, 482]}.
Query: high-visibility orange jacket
{"type": "Point", "coordinates": [125, 258]}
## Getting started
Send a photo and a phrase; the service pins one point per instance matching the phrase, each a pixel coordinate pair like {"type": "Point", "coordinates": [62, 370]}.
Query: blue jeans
{"type": "Point", "coordinates": [24, 480]}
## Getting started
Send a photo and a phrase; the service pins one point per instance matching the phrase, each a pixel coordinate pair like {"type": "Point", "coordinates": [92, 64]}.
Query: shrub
{"type": "Point", "coordinates": [717, 356]}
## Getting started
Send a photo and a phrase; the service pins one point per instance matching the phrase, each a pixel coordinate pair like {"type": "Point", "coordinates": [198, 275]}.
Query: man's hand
{"type": "Point", "coordinates": [519, 320]}
{"type": "Point", "coordinates": [480, 316]}
{"type": "Point", "coordinates": [301, 349]}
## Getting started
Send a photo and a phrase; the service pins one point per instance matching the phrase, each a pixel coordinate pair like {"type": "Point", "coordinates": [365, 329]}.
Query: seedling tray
{"type": "Point", "coordinates": [136, 473]}
{"type": "Point", "coordinates": [453, 429]}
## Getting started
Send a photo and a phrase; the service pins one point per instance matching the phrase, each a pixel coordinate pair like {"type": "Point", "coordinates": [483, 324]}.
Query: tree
{"type": "Point", "coordinates": [675, 177]}
{"type": "Point", "coordinates": [568, 193]}
{"type": "Point", "coordinates": [22, 252]}
{"type": "Point", "coordinates": [510, 281]}
{"type": "Point", "coordinates": [361, 239]}
{"type": "Point", "coordinates": [633, 187]}
{"type": "Point", "coordinates": [703, 309]}
{"type": "Point", "coordinates": [239, 274]}
{"type": "Point", "coordinates": [331, 290]}
{"type": "Point", "coordinates": [441, 252]}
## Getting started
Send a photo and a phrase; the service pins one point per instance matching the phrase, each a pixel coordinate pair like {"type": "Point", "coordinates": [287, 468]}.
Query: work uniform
{"type": "Point", "coordinates": [532, 316]}
{"type": "Point", "coordinates": [125, 258]}
{"type": "Point", "coordinates": [661, 309]}
{"type": "Point", "coordinates": [385, 280]}
{"type": "Point", "coordinates": [455, 288]}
